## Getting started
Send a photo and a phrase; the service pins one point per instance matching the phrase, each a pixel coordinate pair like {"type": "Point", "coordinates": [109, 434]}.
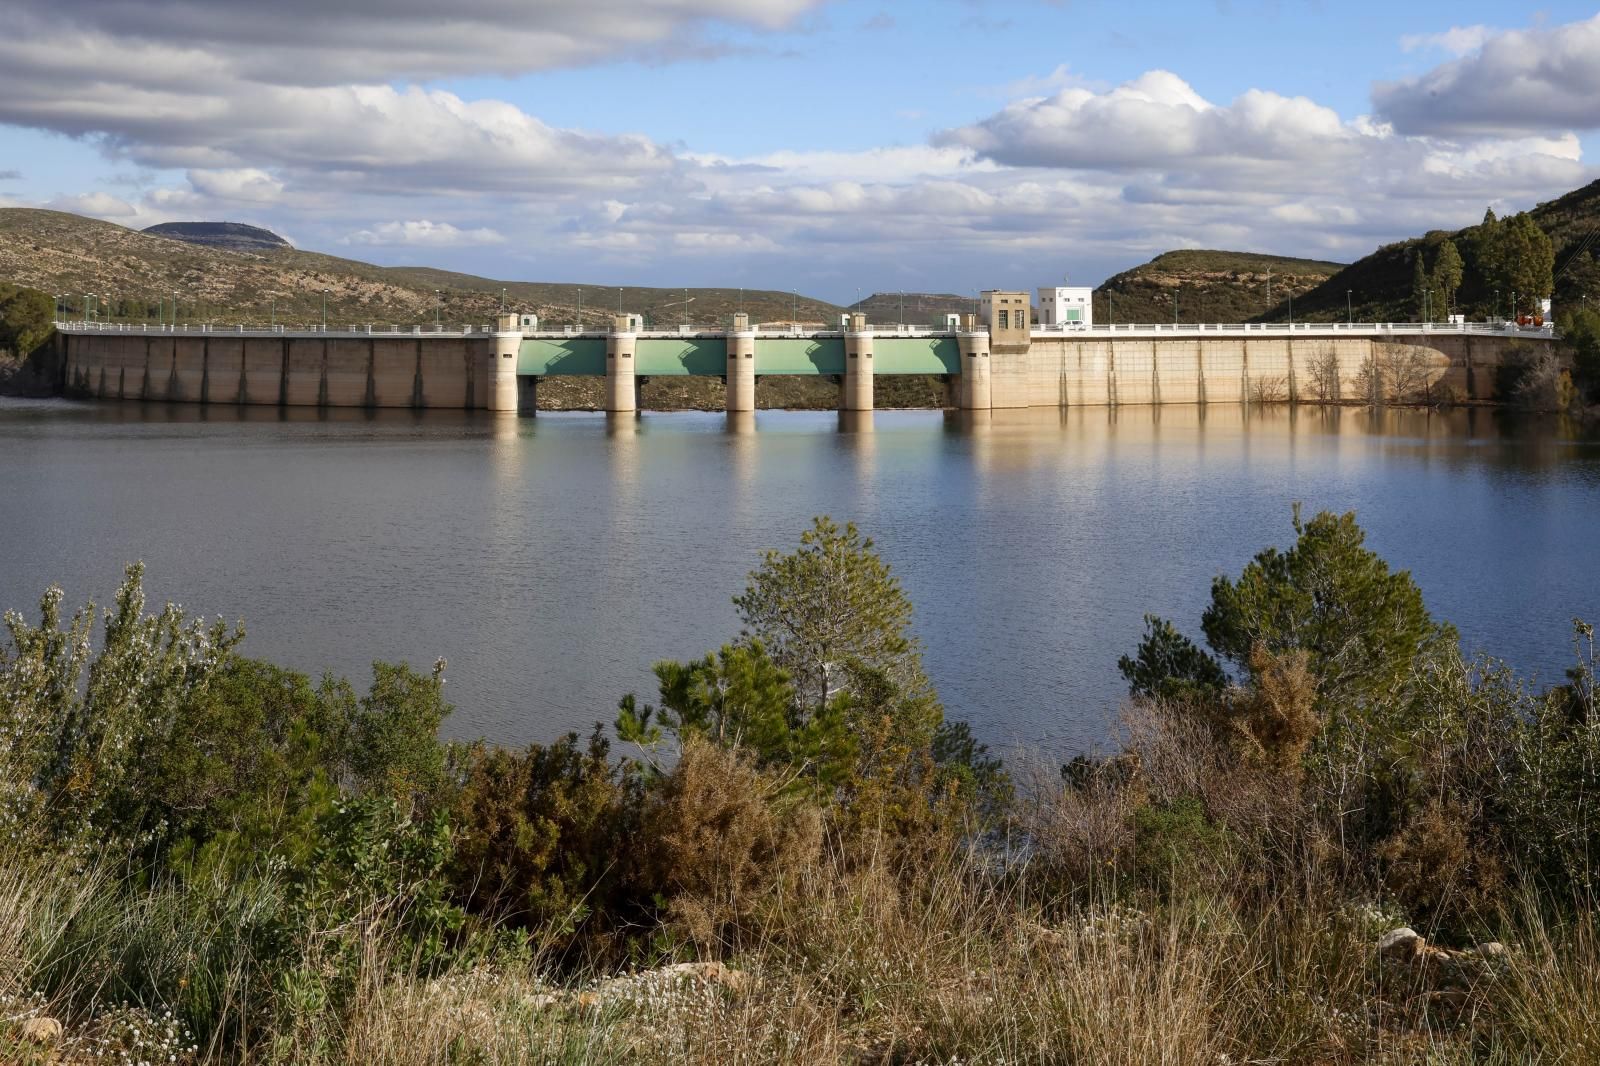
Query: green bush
{"type": "Point", "coordinates": [547, 839]}
{"type": "Point", "coordinates": [27, 319]}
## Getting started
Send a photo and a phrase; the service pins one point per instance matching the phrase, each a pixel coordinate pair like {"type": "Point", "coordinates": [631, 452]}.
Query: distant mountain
{"type": "Point", "coordinates": [1211, 286]}
{"type": "Point", "coordinates": [914, 308]}
{"type": "Point", "coordinates": [1378, 286]}
{"type": "Point", "coordinates": [233, 236]}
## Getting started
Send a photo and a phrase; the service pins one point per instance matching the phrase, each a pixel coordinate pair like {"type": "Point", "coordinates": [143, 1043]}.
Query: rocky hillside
{"type": "Point", "coordinates": [915, 308]}
{"type": "Point", "coordinates": [1379, 285]}
{"type": "Point", "coordinates": [134, 275]}
{"type": "Point", "coordinates": [1208, 286]}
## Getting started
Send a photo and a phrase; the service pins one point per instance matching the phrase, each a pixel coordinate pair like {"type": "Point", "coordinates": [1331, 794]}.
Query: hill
{"type": "Point", "coordinates": [234, 236]}
{"type": "Point", "coordinates": [134, 275]}
{"type": "Point", "coordinates": [1379, 285]}
{"type": "Point", "coordinates": [1205, 285]}
{"type": "Point", "coordinates": [914, 308]}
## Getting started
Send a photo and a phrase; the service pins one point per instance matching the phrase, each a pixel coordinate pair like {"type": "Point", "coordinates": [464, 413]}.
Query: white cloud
{"type": "Point", "coordinates": [246, 184]}
{"type": "Point", "coordinates": [96, 205]}
{"type": "Point", "coordinates": [1457, 40]}
{"type": "Point", "coordinates": [1154, 120]}
{"type": "Point", "coordinates": [1516, 81]}
{"type": "Point", "coordinates": [422, 233]}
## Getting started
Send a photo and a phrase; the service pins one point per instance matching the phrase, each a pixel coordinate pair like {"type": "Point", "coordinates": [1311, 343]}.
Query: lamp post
{"type": "Point", "coordinates": [274, 313]}
{"type": "Point", "coordinates": [1513, 305]}
{"type": "Point", "coordinates": [1174, 307]}
{"type": "Point", "coordinates": [1427, 306]}
{"type": "Point", "coordinates": [87, 297]}
{"type": "Point", "coordinates": [325, 310]}
{"type": "Point", "coordinates": [502, 298]}
{"type": "Point", "coordinates": [174, 309]}
{"type": "Point", "coordinates": [438, 302]}
{"type": "Point", "coordinates": [1349, 309]}
{"type": "Point", "coordinates": [1291, 310]}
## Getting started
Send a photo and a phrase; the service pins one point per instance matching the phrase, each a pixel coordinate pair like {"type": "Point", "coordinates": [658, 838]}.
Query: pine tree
{"type": "Point", "coordinates": [1528, 260]}
{"type": "Point", "coordinates": [1419, 284]}
{"type": "Point", "coordinates": [1447, 273]}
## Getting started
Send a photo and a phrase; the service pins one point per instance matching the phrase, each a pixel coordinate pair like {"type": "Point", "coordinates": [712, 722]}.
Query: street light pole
{"type": "Point", "coordinates": [438, 303]}
{"type": "Point", "coordinates": [325, 310]}
{"type": "Point", "coordinates": [1349, 309]}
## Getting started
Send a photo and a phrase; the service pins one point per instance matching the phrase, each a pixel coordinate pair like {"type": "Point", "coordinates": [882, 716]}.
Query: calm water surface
{"type": "Point", "coordinates": [551, 560]}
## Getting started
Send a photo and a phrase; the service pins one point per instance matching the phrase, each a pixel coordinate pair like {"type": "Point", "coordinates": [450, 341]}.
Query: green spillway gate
{"type": "Point", "coordinates": [542, 357]}
{"type": "Point", "coordinates": [914, 355]}
{"type": "Point", "coordinates": [708, 356]}
{"type": "Point", "coordinates": [668, 356]}
{"type": "Point", "coordinates": [799, 355]}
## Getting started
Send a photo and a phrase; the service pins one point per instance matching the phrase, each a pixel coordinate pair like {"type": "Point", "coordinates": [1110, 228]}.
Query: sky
{"type": "Point", "coordinates": [830, 147]}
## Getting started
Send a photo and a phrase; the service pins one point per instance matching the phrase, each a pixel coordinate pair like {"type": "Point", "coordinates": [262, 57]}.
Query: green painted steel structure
{"type": "Point", "coordinates": [585, 355]}
{"type": "Point", "coordinates": [799, 355]}
{"type": "Point", "coordinates": [668, 356]}
{"type": "Point", "coordinates": [541, 357]}
{"type": "Point", "coordinates": [910, 355]}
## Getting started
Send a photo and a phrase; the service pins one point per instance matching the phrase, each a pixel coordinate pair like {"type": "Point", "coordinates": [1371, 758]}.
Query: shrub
{"type": "Point", "coordinates": [723, 840]}
{"type": "Point", "coordinates": [547, 838]}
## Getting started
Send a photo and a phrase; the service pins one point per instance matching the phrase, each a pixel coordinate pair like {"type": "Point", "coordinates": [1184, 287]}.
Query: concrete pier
{"type": "Point", "coordinates": [622, 392]}
{"type": "Point", "coordinates": [741, 365]}
{"type": "Point", "coordinates": [972, 385]}
{"type": "Point", "coordinates": [856, 392]}
{"type": "Point", "coordinates": [504, 345]}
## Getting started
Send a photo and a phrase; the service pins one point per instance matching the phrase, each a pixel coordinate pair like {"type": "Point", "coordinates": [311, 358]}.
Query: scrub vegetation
{"type": "Point", "coordinates": [1323, 834]}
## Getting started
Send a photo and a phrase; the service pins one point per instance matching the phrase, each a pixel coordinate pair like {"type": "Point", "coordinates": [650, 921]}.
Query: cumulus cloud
{"type": "Point", "coordinates": [1457, 40]}
{"type": "Point", "coordinates": [1155, 120]}
{"type": "Point", "coordinates": [96, 205]}
{"type": "Point", "coordinates": [422, 233]}
{"type": "Point", "coordinates": [1517, 81]}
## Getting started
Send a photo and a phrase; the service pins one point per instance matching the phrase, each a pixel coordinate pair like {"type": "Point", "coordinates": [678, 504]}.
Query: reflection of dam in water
{"type": "Point", "coordinates": [983, 366]}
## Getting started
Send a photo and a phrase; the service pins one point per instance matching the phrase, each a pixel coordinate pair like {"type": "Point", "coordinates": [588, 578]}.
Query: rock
{"type": "Point", "coordinates": [1402, 945]}
{"type": "Point", "coordinates": [1491, 950]}
{"type": "Point", "coordinates": [43, 1031]}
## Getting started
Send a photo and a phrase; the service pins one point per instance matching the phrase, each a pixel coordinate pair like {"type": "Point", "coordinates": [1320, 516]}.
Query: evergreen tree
{"type": "Point", "coordinates": [1419, 284]}
{"type": "Point", "coordinates": [1527, 261]}
{"type": "Point", "coordinates": [1447, 274]}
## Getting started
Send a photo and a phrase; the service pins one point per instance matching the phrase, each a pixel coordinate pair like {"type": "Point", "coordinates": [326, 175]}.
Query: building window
{"type": "Point", "coordinates": [1005, 319]}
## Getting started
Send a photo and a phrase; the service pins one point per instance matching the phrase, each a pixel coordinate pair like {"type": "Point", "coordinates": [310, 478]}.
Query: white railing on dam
{"type": "Point", "coordinates": [1100, 330]}
{"type": "Point", "coordinates": [1291, 329]}
{"type": "Point", "coordinates": [313, 330]}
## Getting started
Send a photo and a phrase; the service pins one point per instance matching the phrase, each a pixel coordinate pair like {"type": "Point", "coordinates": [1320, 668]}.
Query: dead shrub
{"type": "Point", "coordinates": [721, 841]}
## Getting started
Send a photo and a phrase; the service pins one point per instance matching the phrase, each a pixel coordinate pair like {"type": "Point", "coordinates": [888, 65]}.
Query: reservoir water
{"type": "Point", "coordinates": [551, 560]}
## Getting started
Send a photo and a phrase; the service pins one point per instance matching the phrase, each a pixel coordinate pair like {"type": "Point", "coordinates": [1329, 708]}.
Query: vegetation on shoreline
{"type": "Point", "coordinates": [209, 858]}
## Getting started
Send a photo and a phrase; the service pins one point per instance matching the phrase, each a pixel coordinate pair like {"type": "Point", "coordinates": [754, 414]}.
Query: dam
{"type": "Point", "coordinates": [996, 360]}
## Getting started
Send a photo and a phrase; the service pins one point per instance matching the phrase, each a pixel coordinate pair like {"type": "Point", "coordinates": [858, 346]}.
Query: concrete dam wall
{"type": "Point", "coordinates": [293, 371]}
{"type": "Point", "coordinates": [500, 369]}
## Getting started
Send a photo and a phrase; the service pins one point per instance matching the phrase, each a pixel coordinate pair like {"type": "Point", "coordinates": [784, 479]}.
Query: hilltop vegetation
{"type": "Point", "coordinates": [798, 859]}
{"type": "Point", "coordinates": [1207, 286]}
{"type": "Point", "coordinates": [1384, 286]}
